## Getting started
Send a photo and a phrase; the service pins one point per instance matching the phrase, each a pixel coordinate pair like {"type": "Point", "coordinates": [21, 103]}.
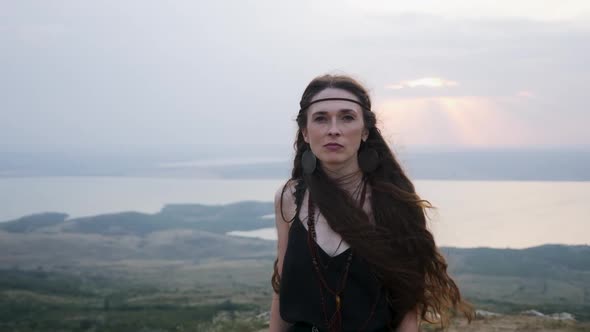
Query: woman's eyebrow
{"type": "Point", "coordinates": [342, 110]}
{"type": "Point", "coordinates": [348, 110]}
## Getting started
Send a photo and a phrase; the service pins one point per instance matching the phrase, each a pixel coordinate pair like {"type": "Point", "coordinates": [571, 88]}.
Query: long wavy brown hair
{"type": "Point", "coordinates": [398, 247]}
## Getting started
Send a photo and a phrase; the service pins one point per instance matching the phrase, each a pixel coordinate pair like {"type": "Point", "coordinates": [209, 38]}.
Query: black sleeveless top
{"type": "Point", "coordinates": [300, 297]}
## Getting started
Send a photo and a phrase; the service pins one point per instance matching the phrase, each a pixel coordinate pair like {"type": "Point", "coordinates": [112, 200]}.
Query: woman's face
{"type": "Point", "coordinates": [335, 128]}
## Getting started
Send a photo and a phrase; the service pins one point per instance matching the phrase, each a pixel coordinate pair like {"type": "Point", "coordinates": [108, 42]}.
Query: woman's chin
{"type": "Point", "coordinates": [333, 161]}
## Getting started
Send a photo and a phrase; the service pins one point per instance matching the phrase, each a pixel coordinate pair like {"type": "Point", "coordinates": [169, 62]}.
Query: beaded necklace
{"type": "Point", "coordinates": [334, 323]}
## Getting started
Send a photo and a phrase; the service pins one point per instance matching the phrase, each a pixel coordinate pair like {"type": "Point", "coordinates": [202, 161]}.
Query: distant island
{"type": "Point", "coordinates": [179, 265]}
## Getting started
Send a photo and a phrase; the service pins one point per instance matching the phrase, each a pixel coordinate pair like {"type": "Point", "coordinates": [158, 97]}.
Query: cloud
{"type": "Point", "coordinates": [550, 10]}
{"type": "Point", "coordinates": [476, 121]}
{"type": "Point", "coordinates": [141, 73]}
{"type": "Point", "coordinates": [525, 94]}
{"type": "Point", "coordinates": [429, 82]}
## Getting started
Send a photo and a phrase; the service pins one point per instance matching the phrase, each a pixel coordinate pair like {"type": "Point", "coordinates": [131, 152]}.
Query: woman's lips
{"type": "Point", "coordinates": [333, 146]}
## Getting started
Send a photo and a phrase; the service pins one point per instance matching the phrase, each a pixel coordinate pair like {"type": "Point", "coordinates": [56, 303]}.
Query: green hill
{"type": "Point", "coordinates": [218, 219]}
{"type": "Point", "coordinates": [185, 247]}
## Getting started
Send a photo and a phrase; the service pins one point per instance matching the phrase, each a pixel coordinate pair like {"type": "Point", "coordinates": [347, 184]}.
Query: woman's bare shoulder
{"type": "Point", "coordinates": [285, 206]}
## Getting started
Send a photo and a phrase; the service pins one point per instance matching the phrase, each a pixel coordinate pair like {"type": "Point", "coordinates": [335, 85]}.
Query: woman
{"type": "Point", "coordinates": [354, 253]}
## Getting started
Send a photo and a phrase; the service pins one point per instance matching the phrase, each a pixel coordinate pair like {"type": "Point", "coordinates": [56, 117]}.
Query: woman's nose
{"type": "Point", "coordinates": [334, 130]}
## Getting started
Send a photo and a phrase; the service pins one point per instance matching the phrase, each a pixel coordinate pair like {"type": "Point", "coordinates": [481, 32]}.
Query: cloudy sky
{"type": "Point", "coordinates": [152, 73]}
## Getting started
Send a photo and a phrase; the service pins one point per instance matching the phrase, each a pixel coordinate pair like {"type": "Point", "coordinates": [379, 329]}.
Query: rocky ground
{"type": "Point", "coordinates": [525, 322]}
{"type": "Point", "coordinates": [519, 323]}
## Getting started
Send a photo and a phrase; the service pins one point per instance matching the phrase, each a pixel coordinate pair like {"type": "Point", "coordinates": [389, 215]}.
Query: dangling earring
{"type": "Point", "coordinates": [308, 161]}
{"type": "Point", "coordinates": [368, 158]}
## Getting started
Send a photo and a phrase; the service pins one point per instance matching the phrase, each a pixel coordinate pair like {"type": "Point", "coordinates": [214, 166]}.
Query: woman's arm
{"type": "Point", "coordinates": [277, 324]}
{"type": "Point", "coordinates": [409, 323]}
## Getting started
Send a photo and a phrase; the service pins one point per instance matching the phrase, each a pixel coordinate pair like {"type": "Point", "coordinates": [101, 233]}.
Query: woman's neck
{"type": "Point", "coordinates": [348, 176]}
{"type": "Point", "coordinates": [342, 169]}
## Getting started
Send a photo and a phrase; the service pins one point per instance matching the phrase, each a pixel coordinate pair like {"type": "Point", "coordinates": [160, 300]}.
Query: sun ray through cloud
{"type": "Point", "coordinates": [468, 121]}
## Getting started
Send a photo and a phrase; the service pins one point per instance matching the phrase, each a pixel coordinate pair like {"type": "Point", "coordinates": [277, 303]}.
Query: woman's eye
{"type": "Point", "coordinates": [348, 117]}
{"type": "Point", "coordinates": [319, 119]}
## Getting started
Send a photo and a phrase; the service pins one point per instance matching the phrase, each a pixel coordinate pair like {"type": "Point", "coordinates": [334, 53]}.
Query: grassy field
{"type": "Point", "coordinates": [217, 296]}
{"type": "Point", "coordinates": [516, 323]}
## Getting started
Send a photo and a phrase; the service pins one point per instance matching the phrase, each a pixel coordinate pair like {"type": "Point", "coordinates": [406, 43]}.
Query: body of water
{"type": "Point", "coordinates": [86, 196]}
{"type": "Point", "coordinates": [498, 214]}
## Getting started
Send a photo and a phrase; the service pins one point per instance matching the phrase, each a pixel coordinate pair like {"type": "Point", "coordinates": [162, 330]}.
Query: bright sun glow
{"type": "Point", "coordinates": [464, 121]}
{"type": "Point", "coordinates": [430, 82]}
